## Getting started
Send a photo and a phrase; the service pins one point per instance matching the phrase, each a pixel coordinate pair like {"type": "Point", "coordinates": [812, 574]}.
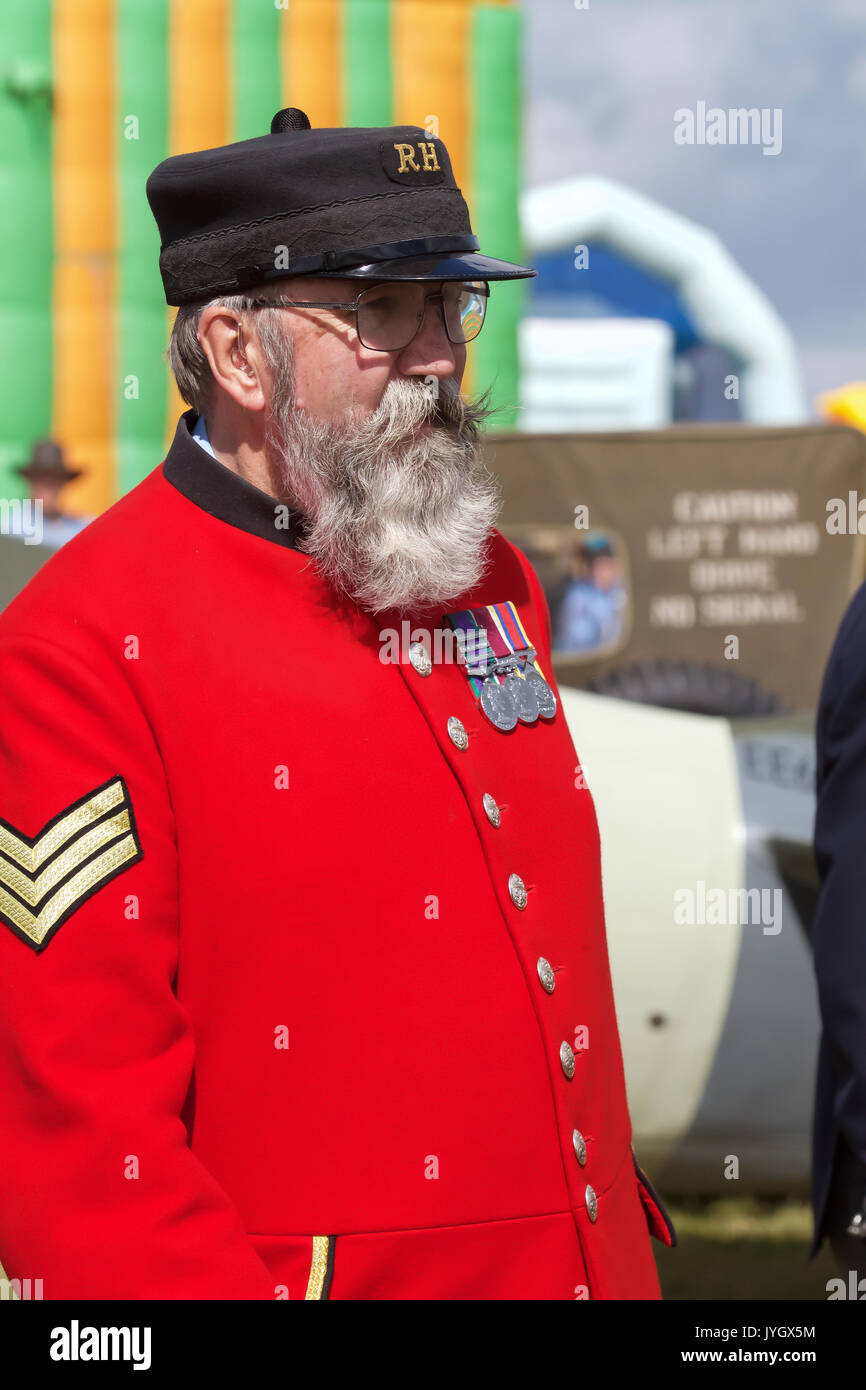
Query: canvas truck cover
{"type": "Point", "coordinates": [720, 547]}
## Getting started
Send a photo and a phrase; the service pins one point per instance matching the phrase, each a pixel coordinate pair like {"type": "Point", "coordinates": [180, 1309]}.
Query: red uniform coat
{"type": "Point", "coordinates": [270, 1021]}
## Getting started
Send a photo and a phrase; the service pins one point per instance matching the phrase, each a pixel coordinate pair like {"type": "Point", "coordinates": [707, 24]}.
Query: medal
{"type": "Point", "coordinates": [498, 704]}
{"type": "Point", "coordinates": [524, 697]}
{"type": "Point", "coordinates": [544, 696]}
{"type": "Point", "coordinates": [500, 664]}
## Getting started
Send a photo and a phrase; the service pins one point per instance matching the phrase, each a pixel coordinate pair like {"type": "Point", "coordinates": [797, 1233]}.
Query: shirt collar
{"type": "Point", "coordinates": [200, 435]}
{"type": "Point", "coordinates": [192, 467]}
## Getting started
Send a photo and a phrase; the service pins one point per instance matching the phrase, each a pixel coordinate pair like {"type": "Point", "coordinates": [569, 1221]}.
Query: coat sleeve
{"type": "Point", "coordinates": [839, 928]}
{"type": "Point", "coordinates": [101, 1196]}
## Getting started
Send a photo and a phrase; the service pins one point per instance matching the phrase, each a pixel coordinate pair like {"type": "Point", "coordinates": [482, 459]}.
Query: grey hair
{"type": "Point", "coordinates": [186, 356]}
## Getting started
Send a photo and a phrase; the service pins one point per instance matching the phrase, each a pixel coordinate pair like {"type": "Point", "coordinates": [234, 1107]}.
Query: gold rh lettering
{"type": "Point", "coordinates": [407, 158]}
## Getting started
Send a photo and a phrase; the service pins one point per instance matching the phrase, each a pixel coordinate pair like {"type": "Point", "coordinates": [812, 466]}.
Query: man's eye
{"type": "Point", "coordinates": [383, 303]}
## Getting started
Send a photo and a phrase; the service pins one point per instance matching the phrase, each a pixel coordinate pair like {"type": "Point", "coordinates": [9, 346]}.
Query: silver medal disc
{"type": "Point", "coordinates": [498, 704]}
{"type": "Point", "coordinates": [543, 694]}
{"type": "Point", "coordinates": [528, 708]}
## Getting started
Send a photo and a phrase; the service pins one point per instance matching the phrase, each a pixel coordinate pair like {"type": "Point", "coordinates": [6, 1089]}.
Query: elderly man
{"type": "Point", "coordinates": [304, 988]}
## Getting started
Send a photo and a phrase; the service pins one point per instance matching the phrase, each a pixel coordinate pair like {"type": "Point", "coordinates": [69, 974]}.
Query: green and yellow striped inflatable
{"type": "Point", "coordinates": [97, 92]}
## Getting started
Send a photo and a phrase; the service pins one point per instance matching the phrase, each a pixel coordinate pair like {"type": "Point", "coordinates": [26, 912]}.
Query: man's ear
{"type": "Point", "coordinates": [236, 363]}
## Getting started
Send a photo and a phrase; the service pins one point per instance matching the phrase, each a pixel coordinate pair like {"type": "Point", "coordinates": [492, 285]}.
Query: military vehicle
{"type": "Point", "coordinates": [696, 576]}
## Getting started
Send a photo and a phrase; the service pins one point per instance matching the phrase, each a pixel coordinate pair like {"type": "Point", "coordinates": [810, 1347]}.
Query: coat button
{"type": "Point", "coordinates": [420, 658]}
{"type": "Point", "coordinates": [517, 891]}
{"type": "Point", "coordinates": [545, 974]}
{"type": "Point", "coordinates": [491, 810]}
{"type": "Point", "coordinates": [458, 734]}
{"type": "Point", "coordinates": [566, 1057]}
{"type": "Point", "coordinates": [579, 1143]}
{"type": "Point", "coordinates": [591, 1203]}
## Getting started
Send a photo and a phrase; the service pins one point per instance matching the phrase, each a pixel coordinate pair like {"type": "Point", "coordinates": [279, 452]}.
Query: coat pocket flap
{"type": "Point", "coordinates": [659, 1222]}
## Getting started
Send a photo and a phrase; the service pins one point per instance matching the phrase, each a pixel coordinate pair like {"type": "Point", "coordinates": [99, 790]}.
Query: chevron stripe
{"type": "Point", "coordinates": [32, 890]}
{"type": "Point", "coordinates": [35, 904]}
{"type": "Point", "coordinates": [30, 854]}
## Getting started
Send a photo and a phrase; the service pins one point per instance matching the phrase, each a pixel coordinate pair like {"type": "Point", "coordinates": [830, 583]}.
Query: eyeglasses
{"type": "Point", "coordinates": [388, 316]}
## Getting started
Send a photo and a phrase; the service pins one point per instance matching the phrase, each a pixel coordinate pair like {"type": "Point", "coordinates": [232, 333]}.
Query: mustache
{"type": "Point", "coordinates": [404, 408]}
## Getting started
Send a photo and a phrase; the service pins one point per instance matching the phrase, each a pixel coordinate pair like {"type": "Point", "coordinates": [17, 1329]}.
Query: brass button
{"type": "Point", "coordinates": [420, 658]}
{"type": "Point", "coordinates": [591, 1204]}
{"type": "Point", "coordinates": [491, 810]}
{"type": "Point", "coordinates": [517, 891]}
{"type": "Point", "coordinates": [545, 974]}
{"type": "Point", "coordinates": [566, 1057]}
{"type": "Point", "coordinates": [458, 734]}
{"type": "Point", "coordinates": [579, 1143]}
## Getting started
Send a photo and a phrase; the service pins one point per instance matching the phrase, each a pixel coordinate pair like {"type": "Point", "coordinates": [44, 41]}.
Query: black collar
{"type": "Point", "coordinates": [227, 496]}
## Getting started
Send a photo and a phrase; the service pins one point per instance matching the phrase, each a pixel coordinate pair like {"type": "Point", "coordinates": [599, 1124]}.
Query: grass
{"type": "Point", "coordinates": [743, 1248]}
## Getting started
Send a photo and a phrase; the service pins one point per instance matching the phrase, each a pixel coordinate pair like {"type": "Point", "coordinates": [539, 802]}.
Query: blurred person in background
{"type": "Point", "coordinates": [47, 473]}
{"type": "Point", "coordinates": [590, 615]}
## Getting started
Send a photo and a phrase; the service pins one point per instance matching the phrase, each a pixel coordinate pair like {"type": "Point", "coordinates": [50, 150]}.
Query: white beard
{"type": "Point", "coordinates": [393, 522]}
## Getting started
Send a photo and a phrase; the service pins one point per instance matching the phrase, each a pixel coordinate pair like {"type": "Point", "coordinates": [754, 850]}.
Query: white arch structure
{"type": "Point", "coordinates": [725, 306]}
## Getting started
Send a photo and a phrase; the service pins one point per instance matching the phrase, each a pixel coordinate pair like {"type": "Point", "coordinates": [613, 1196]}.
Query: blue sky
{"type": "Point", "coordinates": [601, 88]}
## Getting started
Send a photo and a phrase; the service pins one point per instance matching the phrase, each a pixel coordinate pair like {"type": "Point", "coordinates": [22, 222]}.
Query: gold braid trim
{"type": "Point", "coordinates": [318, 1267]}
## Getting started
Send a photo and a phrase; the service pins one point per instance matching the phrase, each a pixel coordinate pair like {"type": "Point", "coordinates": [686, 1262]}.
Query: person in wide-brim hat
{"type": "Point", "coordinates": [47, 461]}
{"type": "Point", "coordinates": [47, 472]}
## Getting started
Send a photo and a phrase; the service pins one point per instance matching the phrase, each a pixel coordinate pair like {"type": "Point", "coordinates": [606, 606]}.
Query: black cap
{"type": "Point", "coordinates": [363, 203]}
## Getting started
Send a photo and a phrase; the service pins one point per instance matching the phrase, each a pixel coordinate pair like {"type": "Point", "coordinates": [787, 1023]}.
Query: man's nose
{"type": "Point", "coordinates": [430, 351]}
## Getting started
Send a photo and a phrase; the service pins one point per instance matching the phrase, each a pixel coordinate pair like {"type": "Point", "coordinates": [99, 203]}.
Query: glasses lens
{"type": "Point", "coordinates": [465, 307]}
{"type": "Point", "coordinates": [388, 315]}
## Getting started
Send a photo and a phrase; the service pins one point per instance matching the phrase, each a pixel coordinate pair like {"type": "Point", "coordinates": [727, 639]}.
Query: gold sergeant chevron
{"type": "Point", "coordinates": [45, 879]}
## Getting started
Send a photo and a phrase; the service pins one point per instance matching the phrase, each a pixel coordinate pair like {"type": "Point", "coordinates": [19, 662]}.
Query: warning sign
{"type": "Point", "coordinates": [723, 547]}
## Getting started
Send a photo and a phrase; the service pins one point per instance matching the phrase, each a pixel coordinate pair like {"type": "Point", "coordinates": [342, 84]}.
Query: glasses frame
{"type": "Point", "coordinates": [481, 287]}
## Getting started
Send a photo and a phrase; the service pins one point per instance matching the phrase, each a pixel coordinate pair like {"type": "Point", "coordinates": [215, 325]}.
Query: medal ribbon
{"type": "Point", "coordinates": [503, 635]}
{"type": "Point", "coordinates": [477, 648]}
